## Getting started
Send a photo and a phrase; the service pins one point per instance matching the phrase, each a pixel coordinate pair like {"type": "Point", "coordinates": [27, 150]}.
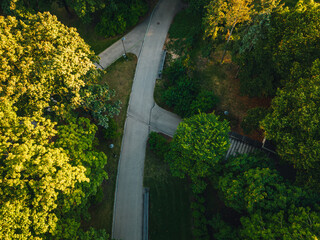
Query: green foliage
{"type": "Point", "coordinates": [273, 46]}
{"type": "Point", "coordinates": [293, 123]}
{"type": "Point", "coordinates": [174, 71]}
{"type": "Point", "coordinates": [200, 230]}
{"type": "Point", "coordinates": [221, 16]}
{"type": "Point", "coordinates": [77, 137]}
{"type": "Point", "coordinates": [250, 183]}
{"type": "Point", "coordinates": [23, 7]}
{"type": "Point", "coordinates": [197, 5]}
{"type": "Point", "coordinates": [258, 189]}
{"type": "Point", "coordinates": [97, 100]}
{"type": "Point", "coordinates": [181, 95]}
{"type": "Point", "coordinates": [93, 234]}
{"type": "Point", "coordinates": [111, 132]}
{"type": "Point", "coordinates": [85, 8]}
{"type": "Point", "coordinates": [112, 17]}
{"type": "Point", "coordinates": [198, 146]}
{"type": "Point", "coordinates": [296, 223]}
{"type": "Point", "coordinates": [116, 18]}
{"type": "Point", "coordinates": [205, 102]}
{"type": "Point", "coordinates": [49, 172]}
{"type": "Point", "coordinates": [295, 36]}
{"type": "Point", "coordinates": [158, 144]}
{"type": "Point", "coordinates": [251, 122]}
{"type": "Point", "coordinates": [41, 58]}
{"type": "Point", "coordinates": [223, 231]}
{"type": "Point", "coordinates": [257, 74]}
{"type": "Point", "coordinates": [186, 25]}
{"type": "Point", "coordinates": [37, 179]}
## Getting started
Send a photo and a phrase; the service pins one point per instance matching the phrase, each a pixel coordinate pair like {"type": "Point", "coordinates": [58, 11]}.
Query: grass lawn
{"type": "Point", "coordinates": [170, 214]}
{"type": "Point", "coordinates": [119, 76]}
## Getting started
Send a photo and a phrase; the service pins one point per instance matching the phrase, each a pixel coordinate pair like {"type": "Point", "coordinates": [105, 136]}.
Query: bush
{"type": "Point", "coordinates": [252, 121]}
{"type": "Point", "coordinates": [205, 102]}
{"type": "Point", "coordinates": [158, 144]}
{"type": "Point", "coordinates": [174, 72]}
{"type": "Point", "coordinates": [111, 132]}
{"type": "Point", "coordinates": [181, 95]}
{"type": "Point", "coordinates": [222, 231]}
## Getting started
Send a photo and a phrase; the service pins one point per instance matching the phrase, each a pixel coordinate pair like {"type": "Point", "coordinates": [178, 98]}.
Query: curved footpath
{"type": "Point", "coordinates": [143, 116]}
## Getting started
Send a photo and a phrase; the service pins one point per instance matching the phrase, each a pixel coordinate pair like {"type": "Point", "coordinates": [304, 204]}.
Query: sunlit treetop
{"type": "Point", "coordinates": [42, 63]}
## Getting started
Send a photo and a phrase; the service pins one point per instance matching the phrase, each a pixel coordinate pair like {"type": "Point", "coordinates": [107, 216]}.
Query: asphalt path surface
{"type": "Point", "coordinates": [143, 115]}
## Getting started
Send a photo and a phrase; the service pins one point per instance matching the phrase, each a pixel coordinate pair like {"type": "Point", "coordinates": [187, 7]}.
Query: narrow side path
{"type": "Point", "coordinates": [128, 207]}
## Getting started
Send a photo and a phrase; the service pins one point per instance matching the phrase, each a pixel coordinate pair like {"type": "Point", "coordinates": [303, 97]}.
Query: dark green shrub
{"type": "Point", "coordinates": [222, 231]}
{"type": "Point", "coordinates": [181, 96]}
{"type": "Point", "coordinates": [118, 18]}
{"type": "Point", "coordinates": [205, 102]}
{"type": "Point", "coordinates": [253, 118]}
{"type": "Point", "coordinates": [174, 72]}
{"type": "Point", "coordinates": [158, 144]}
{"type": "Point", "coordinates": [111, 132]}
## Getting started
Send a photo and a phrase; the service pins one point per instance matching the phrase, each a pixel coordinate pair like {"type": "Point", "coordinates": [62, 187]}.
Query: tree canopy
{"type": "Point", "coordinates": [42, 64]}
{"type": "Point", "coordinates": [274, 44]}
{"type": "Point", "coordinates": [198, 145]}
{"type": "Point", "coordinates": [294, 122]}
{"type": "Point", "coordinates": [50, 169]}
{"type": "Point", "coordinates": [34, 176]}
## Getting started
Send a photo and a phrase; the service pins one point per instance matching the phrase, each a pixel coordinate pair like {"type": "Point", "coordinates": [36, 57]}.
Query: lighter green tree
{"type": "Point", "coordinates": [223, 16]}
{"type": "Point", "coordinates": [42, 63]}
{"type": "Point", "coordinates": [34, 176]}
{"type": "Point", "coordinates": [198, 146]}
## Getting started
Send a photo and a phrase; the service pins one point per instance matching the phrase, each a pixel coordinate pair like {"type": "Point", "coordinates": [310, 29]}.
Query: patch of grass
{"type": "Point", "coordinates": [186, 24]}
{"type": "Point", "coordinates": [119, 76]}
{"type": "Point", "coordinates": [170, 214]}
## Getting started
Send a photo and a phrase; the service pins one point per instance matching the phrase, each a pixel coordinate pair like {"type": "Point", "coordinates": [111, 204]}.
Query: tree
{"type": "Point", "coordinates": [293, 124]}
{"type": "Point", "coordinates": [43, 64]}
{"type": "Point", "coordinates": [295, 36]}
{"type": "Point", "coordinates": [35, 176]}
{"type": "Point", "coordinates": [275, 44]}
{"type": "Point", "coordinates": [97, 100]}
{"type": "Point", "coordinates": [296, 223]}
{"type": "Point", "coordinates": [198, 146]}
{"type": "Point", "coordinates": [258, 189]}
{"type": "Point", "coordinates": [76, 138]}
{"type": "Point", "coordinates": [85, 8]}
{"type": "Point", "coordinates": [225, 15]}
{"type": "Point", "coordinates": [253, 55]}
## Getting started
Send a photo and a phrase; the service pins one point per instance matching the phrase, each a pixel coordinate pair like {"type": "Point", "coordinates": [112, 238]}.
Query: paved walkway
{"type": "Point", "coordinates": [142, 112]}
{"type": "Point", "coordinates": [133, 43]}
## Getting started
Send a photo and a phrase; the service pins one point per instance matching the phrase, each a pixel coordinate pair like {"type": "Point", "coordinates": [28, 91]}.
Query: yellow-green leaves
{"type": "Point", "coordinates": [34, 175]}
{"type": "Point", "coordinates": [41, 59]}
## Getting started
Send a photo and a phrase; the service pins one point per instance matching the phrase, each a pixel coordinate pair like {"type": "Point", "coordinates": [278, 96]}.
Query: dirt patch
{"type": "Point", "coordinates": [222, 80]}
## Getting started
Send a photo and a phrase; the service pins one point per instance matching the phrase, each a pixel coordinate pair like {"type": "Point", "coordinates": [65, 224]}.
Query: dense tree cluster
{"type": "Point", "coordinates": [50, 168]}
